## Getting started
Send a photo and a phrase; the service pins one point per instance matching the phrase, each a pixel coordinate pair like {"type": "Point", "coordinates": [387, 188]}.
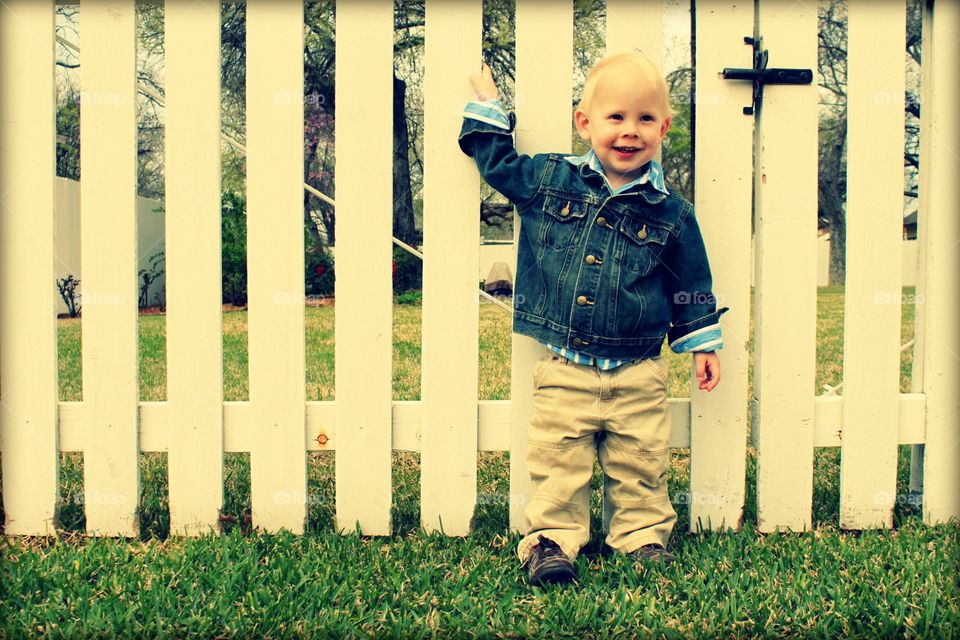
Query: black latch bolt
{"type": "Point", "coordinates": [760, 75]}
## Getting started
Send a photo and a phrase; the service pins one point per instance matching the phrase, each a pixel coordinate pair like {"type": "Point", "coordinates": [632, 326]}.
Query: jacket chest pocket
{"type": "Point", "coordinates": [562, 222]}
{"type": "Point", "coordinates": [641, 244]}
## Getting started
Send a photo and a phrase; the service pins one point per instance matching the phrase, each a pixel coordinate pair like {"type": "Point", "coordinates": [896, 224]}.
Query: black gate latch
{"type": "Point", "coordinates": [760, 75]}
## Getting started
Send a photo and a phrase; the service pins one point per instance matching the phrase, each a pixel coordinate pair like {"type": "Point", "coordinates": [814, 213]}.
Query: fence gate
{"type": "Point", "coordinates": [767, 161]}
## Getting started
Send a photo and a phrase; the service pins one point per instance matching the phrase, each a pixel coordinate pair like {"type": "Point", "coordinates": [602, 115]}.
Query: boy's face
{"type": "Point", "coordinates": [624, 123]}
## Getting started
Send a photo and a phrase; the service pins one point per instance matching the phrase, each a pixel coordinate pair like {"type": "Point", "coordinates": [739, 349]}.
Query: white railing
{"type": "Point", "coordinates": [449, 425]}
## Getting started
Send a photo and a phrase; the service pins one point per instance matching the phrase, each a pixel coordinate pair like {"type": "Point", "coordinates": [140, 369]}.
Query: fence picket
{"type": "Point", "coordinates": [786, 293]}
{"type": "Point", "coordinates": [635, 25]}
{"type": "Point", "coordinates": [939, 229]}
{"type": "Point", "coordinates": [451, 324]}
{"type": "Point", "coordinates": [874, 230]}
{"type": "Point", "coordinates": [364, 331]}
{"type": "Point", "coordinates": [28, 329]}
{"type": "Point", "coordinates": [723, 192]}
{"type": "Point", "coordinates": [108, 235]}
{"type": "Point", "coordinates": [194, 315]}
{"type": "Point", "coordinates": [275, 262]}
{"type": "Point", "coordinates": [543, 98]}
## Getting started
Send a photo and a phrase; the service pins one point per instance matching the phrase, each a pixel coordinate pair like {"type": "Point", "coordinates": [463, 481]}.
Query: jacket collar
{"type": "Point", "coordinates": [590, 163]}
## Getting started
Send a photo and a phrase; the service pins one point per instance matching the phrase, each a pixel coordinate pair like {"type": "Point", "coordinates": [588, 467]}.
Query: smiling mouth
{"type": "Point", "coordinates": [626, 149]}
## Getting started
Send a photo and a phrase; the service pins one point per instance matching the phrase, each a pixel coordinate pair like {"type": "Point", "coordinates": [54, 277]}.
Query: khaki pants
{"type": "Point", "coordinates": [622, 415]}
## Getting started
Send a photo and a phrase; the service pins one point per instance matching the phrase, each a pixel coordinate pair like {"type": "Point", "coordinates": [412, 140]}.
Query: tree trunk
{"type": "Point", "coordinates": [404, 227]}
{"type": "Point", "coordinates": [832, 195]}
{"type": "Point", "coordinates": [838, 252]}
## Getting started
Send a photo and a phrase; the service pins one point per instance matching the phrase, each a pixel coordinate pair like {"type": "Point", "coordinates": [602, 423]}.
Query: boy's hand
{"type": "Point", "coordinates": [707, 364]}
{"type": "Point", "coordinates": [483, 83]}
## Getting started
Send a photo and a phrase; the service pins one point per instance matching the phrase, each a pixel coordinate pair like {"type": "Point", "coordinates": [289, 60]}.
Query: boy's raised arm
{"type": "Point", "coordinates": [487, 136]}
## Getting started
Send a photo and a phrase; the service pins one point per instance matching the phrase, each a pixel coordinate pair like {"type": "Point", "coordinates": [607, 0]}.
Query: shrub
{"type": "Point", "coordinates": [319, 277]}
{"type": "Point", "coordinates": [407, 272]}
{"type": "Point", "coordinates": [68, 291]}
{"type": "Point", "coordinates": [410, 297]}
{"type": "Point", "coordinates": [149, 277]}
{"type": "Point", "coordinates": [233, 252]}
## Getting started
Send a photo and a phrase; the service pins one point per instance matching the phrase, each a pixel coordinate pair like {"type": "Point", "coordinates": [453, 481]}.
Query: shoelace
{"type": "Point", "coordinates": [549, 547]}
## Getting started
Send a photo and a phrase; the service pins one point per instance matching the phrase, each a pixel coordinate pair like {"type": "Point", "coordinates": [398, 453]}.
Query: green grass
{"type": "Point", "coordinates": [826, 582]}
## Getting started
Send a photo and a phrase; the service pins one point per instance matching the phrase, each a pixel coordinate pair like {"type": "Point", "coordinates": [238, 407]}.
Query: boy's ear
{"type": "Point", "coordinates": [664, 128]}
{"type": "Point", "coordinates": [583, 122]}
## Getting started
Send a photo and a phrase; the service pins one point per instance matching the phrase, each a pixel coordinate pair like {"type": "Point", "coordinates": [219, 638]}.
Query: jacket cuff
{"type": "Point", "coordinates": [702, 334]}
{"type": "Point", "coordinates": [488, 111]}
{"type": "Point", "coordinates": [489, 124]}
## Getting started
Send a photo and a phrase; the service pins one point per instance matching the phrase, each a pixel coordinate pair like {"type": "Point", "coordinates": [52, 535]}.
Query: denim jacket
{"type": "Point", "coordinates": [604, 275]}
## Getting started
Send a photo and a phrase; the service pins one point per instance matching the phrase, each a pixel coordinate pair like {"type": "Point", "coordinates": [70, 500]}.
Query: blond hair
{"type": "Point", "coordinates": [631, 63]}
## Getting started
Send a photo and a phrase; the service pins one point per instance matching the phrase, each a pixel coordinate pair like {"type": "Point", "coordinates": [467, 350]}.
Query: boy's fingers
{"type": "Point", "coordinates": [713, 377]}
{"type": "Point", "coordinates": [701, 367]}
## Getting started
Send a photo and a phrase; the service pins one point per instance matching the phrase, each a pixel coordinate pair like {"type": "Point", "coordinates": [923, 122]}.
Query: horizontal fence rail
{"type": "Point", "coordinates": [769, 164]}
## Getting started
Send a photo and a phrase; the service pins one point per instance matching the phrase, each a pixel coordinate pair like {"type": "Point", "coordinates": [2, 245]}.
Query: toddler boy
{"type": "Point", "coordinates": [608, 263]}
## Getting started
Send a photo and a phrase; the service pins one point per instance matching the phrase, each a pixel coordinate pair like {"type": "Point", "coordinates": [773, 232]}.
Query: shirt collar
{"type": "Point", "coordinates": [652, 175]}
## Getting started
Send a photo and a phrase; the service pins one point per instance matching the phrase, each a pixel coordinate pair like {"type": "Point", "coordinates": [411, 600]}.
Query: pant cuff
{"type": "Point", "coordinates": [635, 544]}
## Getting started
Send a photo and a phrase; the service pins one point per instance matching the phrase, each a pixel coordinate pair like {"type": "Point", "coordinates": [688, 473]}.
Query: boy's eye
{"type": "Point", "coordinates": [616, 116]}
{"type": "Point", "coordinates": [647, 117]}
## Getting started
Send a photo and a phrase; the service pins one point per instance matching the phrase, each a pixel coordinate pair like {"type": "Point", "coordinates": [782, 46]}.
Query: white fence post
{"type": "Point", "coordinates": [364, 329]}
{"type": "Point", "coordinates": [194, 311]}
{"type": "Point", "coordinates": [723, 192]}
{"type": "Point", "coordinates": [633, 25]}
{"type": "Point", "coordinates": [451, 237]}
{"type": "Point", "coordinates": [543, 98]}
{"type": "Point", "coordinates": [920, 310]}
{"type": "Point", "coordinates": [108, 235]}
{"type": "Point", "coordinates": [278, 480]}
{"type": "Point", "coordinates": [874, 219]}
{"type": "Point", "coordinates": [28, 329]}
{"type": "Point", "coordinates": [939, 230]}
{"type": "Point", "coordinates": [786, 293]}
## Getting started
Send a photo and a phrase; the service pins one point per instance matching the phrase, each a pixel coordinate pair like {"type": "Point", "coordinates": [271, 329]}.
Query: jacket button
{"type": "Point", "coordinates": [601, 221]}
{"type": "Point", "coordinates": [581, 300]}
{"type": "Point", "coordinates": [591, 259]}
{"type": "Point", "coordinates": [565, 211]}
{"type": "Point", "coordinates": [577, 342]}
{"type": "Point", "coordinates": [643, 233]}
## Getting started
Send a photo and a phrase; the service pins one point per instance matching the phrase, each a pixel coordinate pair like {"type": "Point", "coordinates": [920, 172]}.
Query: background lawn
{"type": "Point", "coordinates": [823, 582]}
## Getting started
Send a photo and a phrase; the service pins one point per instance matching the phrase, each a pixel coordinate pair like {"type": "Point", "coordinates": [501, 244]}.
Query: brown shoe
{"type": "Point", "coordinates": [653, 554]}
{"type": "Point", "coordinates": [548, 564]}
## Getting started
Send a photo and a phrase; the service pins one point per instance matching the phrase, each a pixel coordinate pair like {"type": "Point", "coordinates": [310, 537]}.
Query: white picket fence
{"type": "Point", "coordinates": [449, 426]}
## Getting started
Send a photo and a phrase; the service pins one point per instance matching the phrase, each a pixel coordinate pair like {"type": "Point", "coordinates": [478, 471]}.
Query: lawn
{"type": "Point", "coordinates": [825, 582]}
